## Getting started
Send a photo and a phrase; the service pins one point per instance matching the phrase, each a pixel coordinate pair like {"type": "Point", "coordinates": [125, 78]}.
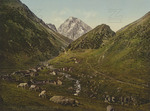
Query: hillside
{"type": "Point", "coordinates": [100, 69]}
{"type": "Point", "coordinates": [129, 51]}
{"type": "Point", "coordinates": [120, 69]}
{"type": "Point", "coordinates": [93, 39]}
{"type": "Point", "coordinates": [24, 38]}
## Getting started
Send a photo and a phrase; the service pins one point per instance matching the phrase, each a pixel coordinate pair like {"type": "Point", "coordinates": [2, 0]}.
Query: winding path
{"type": "Point", "coordinates": [111, 78]}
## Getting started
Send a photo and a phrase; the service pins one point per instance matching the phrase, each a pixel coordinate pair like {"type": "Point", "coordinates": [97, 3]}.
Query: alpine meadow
{"type": "Point", "coordinates": [73, 67]}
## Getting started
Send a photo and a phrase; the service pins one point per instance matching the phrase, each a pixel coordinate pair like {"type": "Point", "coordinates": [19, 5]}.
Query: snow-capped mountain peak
{"type": "Point", "coordinates": [73, 28]}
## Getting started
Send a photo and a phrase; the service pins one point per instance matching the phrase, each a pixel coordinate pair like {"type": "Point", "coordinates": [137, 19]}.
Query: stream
{"type": "Point", "coordinates": [77, 84]}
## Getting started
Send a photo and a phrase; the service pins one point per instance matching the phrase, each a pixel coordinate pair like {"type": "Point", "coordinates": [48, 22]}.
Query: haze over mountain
{"type": "Point", "coordinates": [24, 37]}
{"type": "Point", "coordinates": [73, 28]}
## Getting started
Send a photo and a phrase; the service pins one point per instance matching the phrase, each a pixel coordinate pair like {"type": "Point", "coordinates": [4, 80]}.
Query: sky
{"type": "Point", "coordinates": [115, 13]}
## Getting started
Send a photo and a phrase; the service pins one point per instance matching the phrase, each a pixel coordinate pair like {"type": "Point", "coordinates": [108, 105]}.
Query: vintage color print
{"type": "Point", "coordinates": [74, 55]}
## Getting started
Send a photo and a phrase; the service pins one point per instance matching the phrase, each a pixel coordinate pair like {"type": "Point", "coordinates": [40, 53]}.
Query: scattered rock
{"type": "Point", "coordinates": [76, 61]}
{"type": "Point", "coordinates": [54, 73]}
{"type": "Point", "coordinates": [42, 94]}
{"type": "Point", "coordinates": [33, 70]}
{"type": "Point", "coordinates": [32, 81]}
{"type": "Point", "coordinates": [70, 69]}
{"type": "Point", "coordinates": [34, 74]}
{"type": "Point", "coordinates": [39, 68]}
{"type": "Point", "coordinates": [107, 99]}
{"type": "Point", "coordinates": [113, 99]}
{"type": "Point", "coordinates": [54, 83]}
{"type": "Point", "coordinates": [110, 108]}
{"type": "Point", "coordinates": [70, 88]}
{"type": "Point", "coordinates": [77, 88]}
{"type": "Point", "coordinates": [23, 85]}
{"type": "Point", "coordinates": [64, 100]}
{"type": "Point", "coordinates": [24, 71]}
{"type": "Point", "coordinates": [35, 88]}
{"type": "Point", "coordinates": [51, 67]}
{"type": "Point", "coordinates": [64, 69]}
{"type": "Point", "coordinates": [47, 82]}
{"type": "Point", "coordinates": [59, 82]}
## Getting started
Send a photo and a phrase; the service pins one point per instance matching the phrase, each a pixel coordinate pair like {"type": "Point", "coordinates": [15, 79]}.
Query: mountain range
{"type": "Point", "coordinates": [41, 70]}
{"type": "Point", "coordinates": [117, 66]}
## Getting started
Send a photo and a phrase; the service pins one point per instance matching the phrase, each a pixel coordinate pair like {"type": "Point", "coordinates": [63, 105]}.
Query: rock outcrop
{"type": "Point", "coordinates": [64, 100]}
{"type": "Point", "coordinates": [110, 108]}
{"type": "Point", "coordinates": [52, 27]}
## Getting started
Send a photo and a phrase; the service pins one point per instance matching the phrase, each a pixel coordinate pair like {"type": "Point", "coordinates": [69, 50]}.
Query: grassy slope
{"type": "Point", "coordinates": [100, 82]}
{"type": "Point", "coordinates": [128, 55]}
{"type": "Point", "coordinates": [18, 99]}
{"type": "Point", "coordinates": [93, 39]}
{"type": "Point", "coordinates": [24, 38]}
{"type": "Point", "coordinates": [122, 63]}
{"type": "Point", "coordinates": [96, 72]}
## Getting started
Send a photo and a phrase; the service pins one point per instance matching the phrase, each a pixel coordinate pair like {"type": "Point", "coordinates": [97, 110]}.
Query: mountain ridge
{"type": "Point", "coordinates": [122, 65]}
{"type": "Point", "coordinates": [52, 26]}
{"type": "Point", "coordinates": [24, 37]}
{"type": "Point", "coordinates": [94, 39]}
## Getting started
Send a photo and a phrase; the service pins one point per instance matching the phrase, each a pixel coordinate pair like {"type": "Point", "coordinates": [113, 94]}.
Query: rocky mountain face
{"type": "Point", "coordinates": [93, 39]}
{"type": "Point", "coordinates": [24, 37]}
{"type": "Point", "coordinates": [73, 28]}
{"type": "Point", "coordinates": [52, 26]}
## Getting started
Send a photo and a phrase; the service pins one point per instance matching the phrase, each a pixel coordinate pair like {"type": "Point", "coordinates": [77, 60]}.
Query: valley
{"type": "Point", "coordinates": [88, 70]}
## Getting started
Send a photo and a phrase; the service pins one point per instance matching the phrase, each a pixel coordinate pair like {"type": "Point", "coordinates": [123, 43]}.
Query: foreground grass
{"type": "Point", "coordinates": [18, 99]}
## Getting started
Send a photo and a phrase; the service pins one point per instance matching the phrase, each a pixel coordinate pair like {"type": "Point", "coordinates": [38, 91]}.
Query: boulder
{"type": "Point", "coordinates": [35, 88]}
{"type": "Point", "coordinates": [25, 71]}
{"type": "Point", "coordinates": [70, 88]}
{"type": "Point", "coordinates": [42, 94]}
{"type": "Point", "coordinates": [54, 83]}
{"type": "Point", "coordinates": [54, 73]}
{"type": "Point", "coordinates": [59, 82]}
{"type": "Point", "coordinates": [63, 69]}
{"type": "Point", "coordinates": [107, 99]}
{"type": "Point", "coordinates": [23, 85]}
{"type": "Point", "coordinates": [70, 69]}
{"type": "Point", "coordinates": [64, 100]}
{"type": "Point", "coordinates": [110, 108]}
{"type": "Point", "coordinates": [76, 61]}
{"type": "Point", "coordinates": [33, 74]}
{"type": "Point", "coordinates": [33, 70]}
{"type": "Point", "coordinates": [39, 69]}
{"type": "Point", "coordinates": [113, 99]}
